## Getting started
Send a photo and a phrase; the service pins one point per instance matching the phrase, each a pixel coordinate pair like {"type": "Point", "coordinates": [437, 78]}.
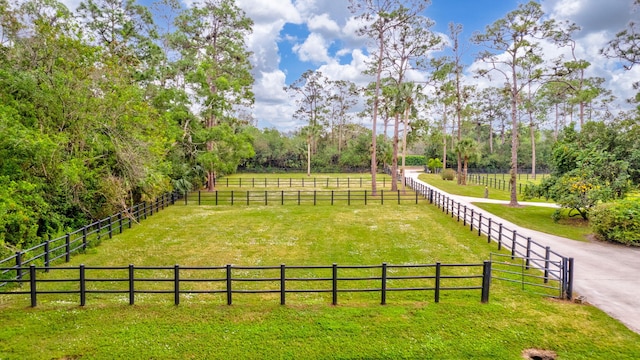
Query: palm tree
{"type": "Point", "coordinates": [468, 149]}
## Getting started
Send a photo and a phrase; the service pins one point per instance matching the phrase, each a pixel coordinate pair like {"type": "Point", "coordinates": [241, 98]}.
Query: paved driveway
{"type": "Point", "coordinates": [608, 275]}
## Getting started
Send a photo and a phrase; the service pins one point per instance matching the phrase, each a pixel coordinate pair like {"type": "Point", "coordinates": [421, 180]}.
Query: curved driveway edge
{"type": "Point", "coordinates": [607, 275]}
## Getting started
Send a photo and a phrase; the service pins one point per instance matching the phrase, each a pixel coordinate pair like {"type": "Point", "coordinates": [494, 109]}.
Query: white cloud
{"type": "Point", "coordinates": [323, 24]}
{"type": "Point", "coordinates": [351, 72]}
{"type": "Point", "coordinates": [261, 11]}
{"type": "Point", "coordinates": [313, 49]}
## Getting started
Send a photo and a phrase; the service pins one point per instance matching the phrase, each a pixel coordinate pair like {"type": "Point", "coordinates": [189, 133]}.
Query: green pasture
{"type": "Point", "coordinates": [411, 325]}
{"type": "Point", "coordinates": [472, 189]}
{"type": "Point", "coordinates": [539, 218]}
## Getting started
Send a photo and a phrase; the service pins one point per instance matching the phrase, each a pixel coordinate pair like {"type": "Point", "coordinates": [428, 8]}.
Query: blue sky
{"type": "Point", "coordinates": [292, 36]}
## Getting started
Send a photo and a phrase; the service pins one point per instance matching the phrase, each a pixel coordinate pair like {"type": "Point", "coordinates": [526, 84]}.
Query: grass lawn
{"type": "Point", "coordinates": [539, 218]}
{"type": "Point", "coordinates": [411, 326]}
{"type": "Point", "coordinates": [472, 190]}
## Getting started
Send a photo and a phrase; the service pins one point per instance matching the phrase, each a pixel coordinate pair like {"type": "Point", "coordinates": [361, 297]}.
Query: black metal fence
{"type": "Point", "coordinates": [496, 182]}
{"type": "Point", "coordinates": [299, 197]}
{"type": "Point", "coordinates": [554, 265]}
{"type": "Point", "coordinates": [506, 267]}
{"type": "Point", "coordinates": [180, 280]}
{"type": "Point", "coordinates": [339, 183]}
{"type": "Point", "coordinates": [65, 246]}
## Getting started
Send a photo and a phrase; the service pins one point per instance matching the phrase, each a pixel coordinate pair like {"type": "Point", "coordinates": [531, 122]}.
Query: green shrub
{"type": "Point", "coordinates": [617, 221]}
{"type": "Point", "coordinates": [448, 174]}
{"type": "Point", "coordinates": [414, 160]}
{"type": "Point", "coordinates": [434, 164]}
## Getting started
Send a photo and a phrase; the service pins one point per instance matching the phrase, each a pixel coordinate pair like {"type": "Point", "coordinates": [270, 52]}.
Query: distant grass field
{"type": "Point", "coordinates": [471, 189]}
{"type": "Point", "coordinates": [539, 218]}
{"type": "Point", "coordinates": [410, 326]}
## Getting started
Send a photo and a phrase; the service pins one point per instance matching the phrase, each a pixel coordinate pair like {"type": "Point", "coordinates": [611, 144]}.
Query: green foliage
{"type": "Point", "coordinates": [414, 160]}
{"type": "Point", "coordinates": [448, 174]}
{"type": "Point", "coordinates": [618, 221]}
{"type": "Point", "coordinates": [587, 169]}
{"type": "Point", "coordinates": [434, 164]}
{"type": "Point", "coordinates": [25, 215]}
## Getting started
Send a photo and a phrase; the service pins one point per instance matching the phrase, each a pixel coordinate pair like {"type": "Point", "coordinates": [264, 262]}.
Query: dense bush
{"type": "Point", "coordinates": [618, 221]}
{"type": "Point", "coordinates": [448, 174]}
{"type": "Point", "coordinates": [434, 164]}
{"type": "Point", "coordinates": [414, 160]}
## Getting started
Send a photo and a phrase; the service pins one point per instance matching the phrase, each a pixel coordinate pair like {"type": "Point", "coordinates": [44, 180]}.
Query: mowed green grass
{"type": "Point", "coordinates": [540, 219]}
{"type": "Point", "coordinates": [410, 326]}
{"type": "Point", "coordinates": [472, 189]}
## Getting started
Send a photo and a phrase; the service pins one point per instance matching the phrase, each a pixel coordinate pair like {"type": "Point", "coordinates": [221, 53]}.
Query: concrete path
{"type": "Point", "coordinates": [608, 275]}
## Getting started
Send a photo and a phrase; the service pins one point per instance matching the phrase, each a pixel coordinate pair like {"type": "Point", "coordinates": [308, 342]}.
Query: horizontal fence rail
{"type": "Point", "coordinates": [554, 265]}
{"type": "Point", "coordinates": [347, 183]}
{"type": "Point", "coordinates": [496, 183]}
{"type": "Point", "coordinates": [299, 197]}
{"type": "Point", "coordinates": [232, 279]}
{"type": "Point", "coordinates": [62, 248]}
{"type": "Point", "coordinates": [514, 269]}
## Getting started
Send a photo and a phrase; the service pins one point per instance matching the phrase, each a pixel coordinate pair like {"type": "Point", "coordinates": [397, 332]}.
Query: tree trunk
{"type": "Point", "coordinates": [491, 137]}
{"type": "Point", "coordinates": [444, 135]}
{"type": "Point", "coordinates": [555, 130]}
{"type": "Point", "coordinates": [374, 163]}
{"type": "Point", "coordinates": [309, 158]}
{"type": "Point", "coordinates": [464, 170]}
{"type": "Point", "coordinates": [394, 160]}
{"type": "Point", "coordinates": [404, 146]}
{"type": "Point", "coordinates": [514, 138]}
{"type": "Point", "coordinates": [533, 149]}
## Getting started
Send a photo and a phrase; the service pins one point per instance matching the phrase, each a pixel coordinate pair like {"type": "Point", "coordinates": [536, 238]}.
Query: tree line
{"type": "Point", "coordinates": [117, 102]}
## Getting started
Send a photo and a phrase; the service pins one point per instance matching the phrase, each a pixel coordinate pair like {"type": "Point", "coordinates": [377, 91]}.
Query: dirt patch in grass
{"type": "Point", "coordinates": [538, 354]}
{"type": "Point", "coordinates": [574, 221]}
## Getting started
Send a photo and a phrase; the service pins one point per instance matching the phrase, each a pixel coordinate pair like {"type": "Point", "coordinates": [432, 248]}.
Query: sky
{"type": "Point", "coordinates": [292, 36]}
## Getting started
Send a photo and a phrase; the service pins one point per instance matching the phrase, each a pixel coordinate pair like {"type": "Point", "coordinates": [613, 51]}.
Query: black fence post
{"type": "Point", "coordinates": [47, 256]}
{"type": "Point", "coordinates": [437, 285]}
{"type": "Point", "coordinates": [570, 282]}
{"type": "Point", "coordinates": [67, 247]}
{"type": "Point", "coordinates": [176, 284]}
{"type": "Point", "coordinates": [500, 237]}
{"type": "Point", "coordinates": [131, 285]}
{"type": "Point", "coordinates": [546, 264]}
{"type": "Point", "coordinates": [528, 260]}
{"type": "Point", "coordinates": [120, 219]}
{"type": "Point", "coordinates": [486, 281]}
{"type": "Point", "coordinates": [383, 287]}
{"type": "Point", "coordinates": [464, 216]}
{"type": "Point", "coordinates": [283, 290]}
{"type": "Point", "coordinates": [489, 230]}
{"type": "Point", "coordinates": [229, 297]}
{"type": "Point", "coordinates": [32, 284]}
{"type": "Point", "coordinates": [471, 220]}
{"type": "Point", "coordinates": [110, 227]}
{"type": "Point", "coordinates": [334, 283]}
{"type": "Point", "coordinates": [83, 286]}
{"type": "Point", "coordinates": [514, 240]}
{"type": "Point", "coordinates": [480, 225]}
{"type": "Point", "coordinates": [84, 238]}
